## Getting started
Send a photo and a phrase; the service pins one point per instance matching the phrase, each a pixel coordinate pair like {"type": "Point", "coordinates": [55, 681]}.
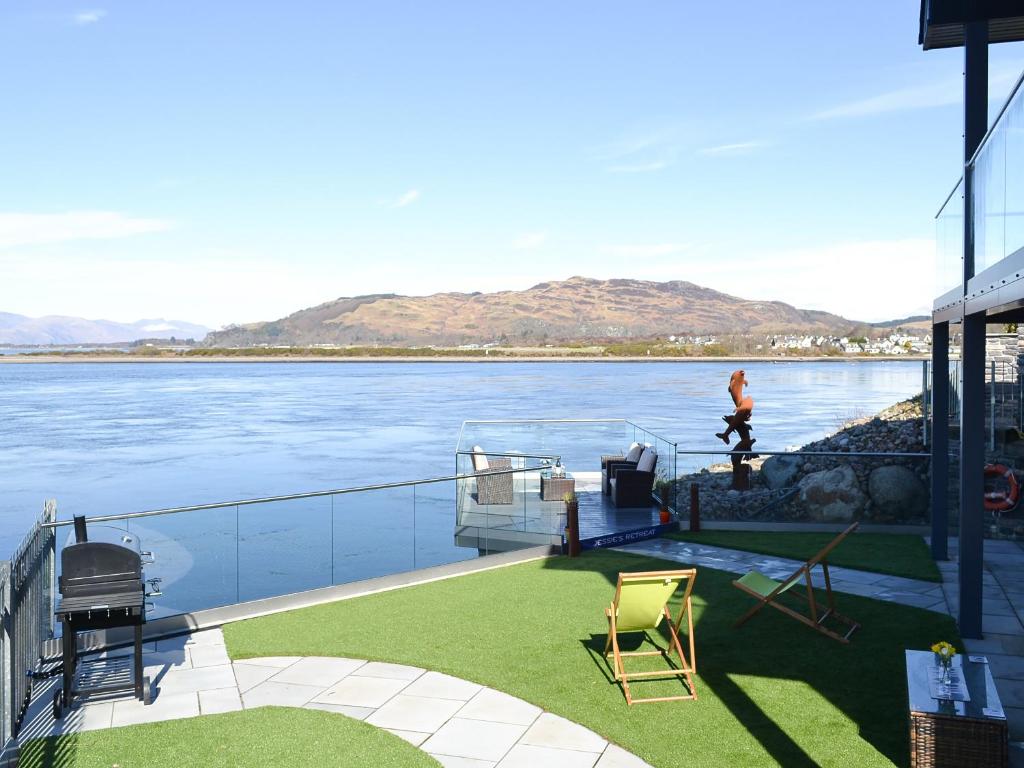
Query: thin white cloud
{"type": "Point", "coordinates": [645, 250]}
{"type": "Point", "coordinates": [19, 229]}
{"type": "Point", "coordinates": [940, 93]}
{"type": "Point", "coordinates": [739, 148]}
{"type": "Point", "coordinates": [407, 198]}
{"type": "Point", "coordinates": [640, 151]}
{"type": "Point", "coordinates": [90, 16]}
{"type": "Point", "coordinates": [529, 241]}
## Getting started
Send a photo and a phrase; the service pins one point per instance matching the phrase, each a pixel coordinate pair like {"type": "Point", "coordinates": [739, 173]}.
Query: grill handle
{"type": "Point", "coordinates": [154, 584]}
{"type": "Point", "coordinates": [144, 555]}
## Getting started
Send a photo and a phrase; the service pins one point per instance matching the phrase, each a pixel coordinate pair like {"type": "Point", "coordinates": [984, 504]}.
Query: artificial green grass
{"type": "Point", "coordinates": [894, 554]}
{"type": "Point", "coordinates": [771, 693]}
{"type": "Point", "coordinates": [269, 736]}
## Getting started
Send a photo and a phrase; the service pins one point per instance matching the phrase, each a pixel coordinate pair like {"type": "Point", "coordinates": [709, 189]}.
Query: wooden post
{"type": "Point", "coordinates": [572, 527]}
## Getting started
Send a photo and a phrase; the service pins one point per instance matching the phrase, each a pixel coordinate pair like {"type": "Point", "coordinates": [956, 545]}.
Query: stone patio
{"type": "Point", "coordinates": [461, 724]}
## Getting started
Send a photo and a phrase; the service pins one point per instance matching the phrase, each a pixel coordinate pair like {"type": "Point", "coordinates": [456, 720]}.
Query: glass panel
{"type": "Point", "coordinates": [434, 536]}
{"type": "Point", "coordinates": [284, 547]}
{"type": "Point", "coordinates": [949, 243]}
{"type": "Point", "coordinates": [194, 555]}
{"type": "Point", "coordinates": [373, 534]}
{"type": "Point", "coordinates": [1014, 121]}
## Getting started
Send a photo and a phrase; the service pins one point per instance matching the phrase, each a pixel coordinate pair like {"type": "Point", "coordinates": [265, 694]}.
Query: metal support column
{"type": "Point", "coordinates": [972, 478]}
{"type": "Point", "coordinates": [972, 393]}
{"type": "Point", "coordinates": [940, 441]}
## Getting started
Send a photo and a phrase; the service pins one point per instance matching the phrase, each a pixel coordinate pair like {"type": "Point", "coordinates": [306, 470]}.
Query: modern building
{"type": "Point", "coordinates": [980, 279]}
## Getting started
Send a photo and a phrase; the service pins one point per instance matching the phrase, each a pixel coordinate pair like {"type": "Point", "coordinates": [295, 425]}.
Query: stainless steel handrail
{"type": "Point", "coordinates": [288, 497]}
{"type": "Point", "coordinates": [563, 421]}
{"type": "Point", "coordinates": [553, 456]}
{"type": "Point", "coordinates": [950, 197]}
{"type": "Point", "coordinates": [841, 454]}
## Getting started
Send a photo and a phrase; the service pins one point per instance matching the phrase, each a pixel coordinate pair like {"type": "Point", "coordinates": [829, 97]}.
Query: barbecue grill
{"type": "Point", "coordinates": [102, 586]}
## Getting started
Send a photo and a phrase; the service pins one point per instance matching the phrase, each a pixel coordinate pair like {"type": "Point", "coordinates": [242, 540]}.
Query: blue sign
{"type": "Point", "coordinates": [619, 538]}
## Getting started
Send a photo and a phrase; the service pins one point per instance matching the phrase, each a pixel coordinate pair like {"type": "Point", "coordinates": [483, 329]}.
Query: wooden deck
{"type": "Point", "coordinates": [529, 521]}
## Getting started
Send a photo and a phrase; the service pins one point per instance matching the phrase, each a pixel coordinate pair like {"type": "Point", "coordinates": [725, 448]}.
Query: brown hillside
{"type": "Point", "coordinates": [575, 309]}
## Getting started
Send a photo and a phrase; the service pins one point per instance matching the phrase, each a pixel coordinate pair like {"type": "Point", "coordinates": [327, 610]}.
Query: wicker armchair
{"type": "Point", "coordinates": [491, 488]}
{"type": "Point", "coordinates": [631, 485]}
{"type": "Point", "coordinates": [630, 458]}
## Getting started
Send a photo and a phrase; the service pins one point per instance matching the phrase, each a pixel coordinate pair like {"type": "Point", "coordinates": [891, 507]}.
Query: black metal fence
{"type": "Point", "coordinates": [26, 618]}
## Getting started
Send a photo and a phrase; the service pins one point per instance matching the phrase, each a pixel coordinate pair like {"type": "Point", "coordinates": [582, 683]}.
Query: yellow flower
{"type": "Point", "coordinates": [944, 650]}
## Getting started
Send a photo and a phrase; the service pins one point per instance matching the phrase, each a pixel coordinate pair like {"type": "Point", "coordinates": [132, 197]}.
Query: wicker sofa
{"type": "Point", "coordinates": [491, 488]}
{"type": "Point", "coordinates": [630, 484]}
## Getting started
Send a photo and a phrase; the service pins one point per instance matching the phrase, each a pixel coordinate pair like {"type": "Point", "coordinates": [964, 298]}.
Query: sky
{"type": "Point", "coordinates": [231, 162]}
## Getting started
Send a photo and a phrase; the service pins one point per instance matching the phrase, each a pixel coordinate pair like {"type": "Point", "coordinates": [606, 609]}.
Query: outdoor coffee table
{"type": "Point", "coordinates": [554, 488]}
{"type": "Point", "coordinates": [944, 732]}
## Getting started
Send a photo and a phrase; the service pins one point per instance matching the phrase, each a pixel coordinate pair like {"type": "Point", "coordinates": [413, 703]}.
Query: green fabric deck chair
{"type": "Point", "coordinates": [640, 604]}
{"type": "Point", "coordinates": [769, 591]}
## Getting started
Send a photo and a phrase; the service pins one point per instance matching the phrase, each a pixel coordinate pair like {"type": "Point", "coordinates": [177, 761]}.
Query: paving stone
{"type": "Point", "coordinates": [553, 731]}
{"type": "Point", "coordinates": [1011, 692]}
{"type": "Point", "coordinates": [462, 762]}
{"type": "Point", "coordinates": [249, 675]}
{"type": "Point", "coordinates": [1002, 625]}
{"type": "Point", "coordinates": [84, 717]}
{"type": "Point", "coordinates": [208, 655]}
{"type": "Point", "coordinates": [195, 680]}
{"type": "Point", "coordinates": [391, 671]}
{"type": "Point", "coordinates": [358, 691]}
{"type": "Point", "coordinates": [165, 706]}
{"type": "Point", "coordinates": [439, 686]}
{"type": "Point", "coordinates": [158, 661]}
{"type": "Point", "coordinates": [356, 713]}
{"type": "Point", "coordinates": [411, 736]}
{"type": "Point", "coordinates": [280, 662]}
{"type": "Point", "coordinates": [221, 700]}
{"type": "Point", "coordinates": [279, 694]}
{"type": "Point", "coordinates": [617, 757]}
{"type": "Point", "coordinates": [477, 739]}
{"type": "Point", "coordinates": [526, 756]}
{"type": "Point", "coordinates": [1015, 722]}
{"type": "Point", "coordinates": [498, 707]}
{"type": "Point", "coordinates": [414, 713]}
{"type": "Point", "coordinates": [320, 671]}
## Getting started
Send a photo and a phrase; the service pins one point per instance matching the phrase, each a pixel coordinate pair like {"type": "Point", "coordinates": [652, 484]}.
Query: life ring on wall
{"type": "Point", "coordinates": [1000, 501]}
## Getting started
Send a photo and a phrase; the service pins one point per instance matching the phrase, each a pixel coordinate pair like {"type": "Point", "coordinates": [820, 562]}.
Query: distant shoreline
{"type": "Point", "coordinates": [127, 359]}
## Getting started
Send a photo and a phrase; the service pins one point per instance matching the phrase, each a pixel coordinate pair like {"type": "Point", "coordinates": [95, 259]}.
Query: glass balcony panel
{"type": "Point", "coordinates": [1014, 126]}
{"type": "Point", "coordinates": [373, 534]}
{"type": "Point", "coordinates": [194, 555]}
{"type": "Point", "coordinates": [949, 243]}
{"type": "Point", "coordinates": [284, 547]}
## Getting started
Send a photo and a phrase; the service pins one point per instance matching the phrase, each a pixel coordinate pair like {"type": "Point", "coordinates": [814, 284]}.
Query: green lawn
{"type": "Point", "coordinates": [270, 736]}
{"type": "Point", "coordinates": [771, 693]}
{"type": "Point", "coordinates": [891, 553]}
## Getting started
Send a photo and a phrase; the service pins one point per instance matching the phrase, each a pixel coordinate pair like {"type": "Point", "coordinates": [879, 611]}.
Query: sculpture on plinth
{"type": "Point", "coordinates": [739, 423]}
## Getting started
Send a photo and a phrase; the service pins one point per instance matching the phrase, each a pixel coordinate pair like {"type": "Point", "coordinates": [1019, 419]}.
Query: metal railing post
{"type": "Point", "coordinates": [992, 407]}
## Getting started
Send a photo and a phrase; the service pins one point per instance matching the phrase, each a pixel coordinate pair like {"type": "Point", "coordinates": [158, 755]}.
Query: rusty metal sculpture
{"type": "Point", "coordinates": [739, 423]}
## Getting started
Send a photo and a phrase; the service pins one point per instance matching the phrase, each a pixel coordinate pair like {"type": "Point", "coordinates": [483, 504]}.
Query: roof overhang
{"type": "Point", "coordinates": [943, 21]}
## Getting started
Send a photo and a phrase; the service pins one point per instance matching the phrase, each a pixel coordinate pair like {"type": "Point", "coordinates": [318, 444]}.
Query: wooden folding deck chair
{"type": "Point", "coordinates": [641, 602]}
{"type": "Point", "coordinates": [768, 591]}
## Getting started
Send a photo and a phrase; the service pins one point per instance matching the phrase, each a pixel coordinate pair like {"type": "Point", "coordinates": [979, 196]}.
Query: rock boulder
{"type": "Point", "coordinates": [780, 471]}
{"type": "Point", "coordinates": [832, 495]}
{"type": "Point", "coordinates": [896, 491]}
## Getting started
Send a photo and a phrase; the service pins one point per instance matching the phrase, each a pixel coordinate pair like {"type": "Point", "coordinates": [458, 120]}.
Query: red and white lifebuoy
{"type": "Point", "coordinates": [1000, 501]}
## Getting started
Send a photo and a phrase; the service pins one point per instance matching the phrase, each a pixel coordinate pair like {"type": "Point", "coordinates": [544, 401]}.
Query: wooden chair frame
{"type": "Point", "coordinates": [686, 669]}
{"type": "Point", "coordinates": [816, 613]}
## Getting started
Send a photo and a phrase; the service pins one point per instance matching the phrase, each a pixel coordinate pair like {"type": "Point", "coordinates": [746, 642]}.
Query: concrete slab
{"type": "Point", "coordinates": [616, 757]}
{"type": "Point", "coordinates": [357, 691]}
{"type": "Point", "coordinates": [440, 686]}
{"type": "Point", "coordinates": [553, 731]}
{"type": "Point", "coordinates": [279, 694]}
{"type": "Point", "coordinates": [320, 671]}
{"type": "Point", "coordinates": [391, 671]}
{"type": "Point", "coordinates": [498, 707]}
{"type": "Point", "coordinates": [208, 655]}
{"type": "Point", "coordinates": [356, 713]}
{"type": "Point", "coordinates": [250, 675]}
{"type": "Point", "coordinates": [462, 762]}
{"type": "Point", "coordinates": [165, 706]}
{"type": "Point", "coordinates": [221, 700]}
{"type": "Point", "coordinates": [195, 680]}
{"type": "Point", "coordinates": [411, 736]}
{"type": "Point", "coordinates": [475, 739]}
{"type": "Point", "coordinates": [414, 713]}
{"type": "Point", "coordinates": [527, 756]}
{"type": "Point", "coordinates": [278, 662]}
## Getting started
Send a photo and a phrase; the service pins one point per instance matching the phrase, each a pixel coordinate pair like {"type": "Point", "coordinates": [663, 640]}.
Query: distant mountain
{"type": "Point", "coordinates": [571, 310]}
{"type": "Point", "coordinates": [914, 321]}
{"type": "Point", "coordinates": [56, 329]}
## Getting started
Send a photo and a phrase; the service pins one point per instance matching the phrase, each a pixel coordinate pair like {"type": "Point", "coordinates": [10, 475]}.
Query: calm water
{"type": "Point", "coordinates": [103, 438]}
